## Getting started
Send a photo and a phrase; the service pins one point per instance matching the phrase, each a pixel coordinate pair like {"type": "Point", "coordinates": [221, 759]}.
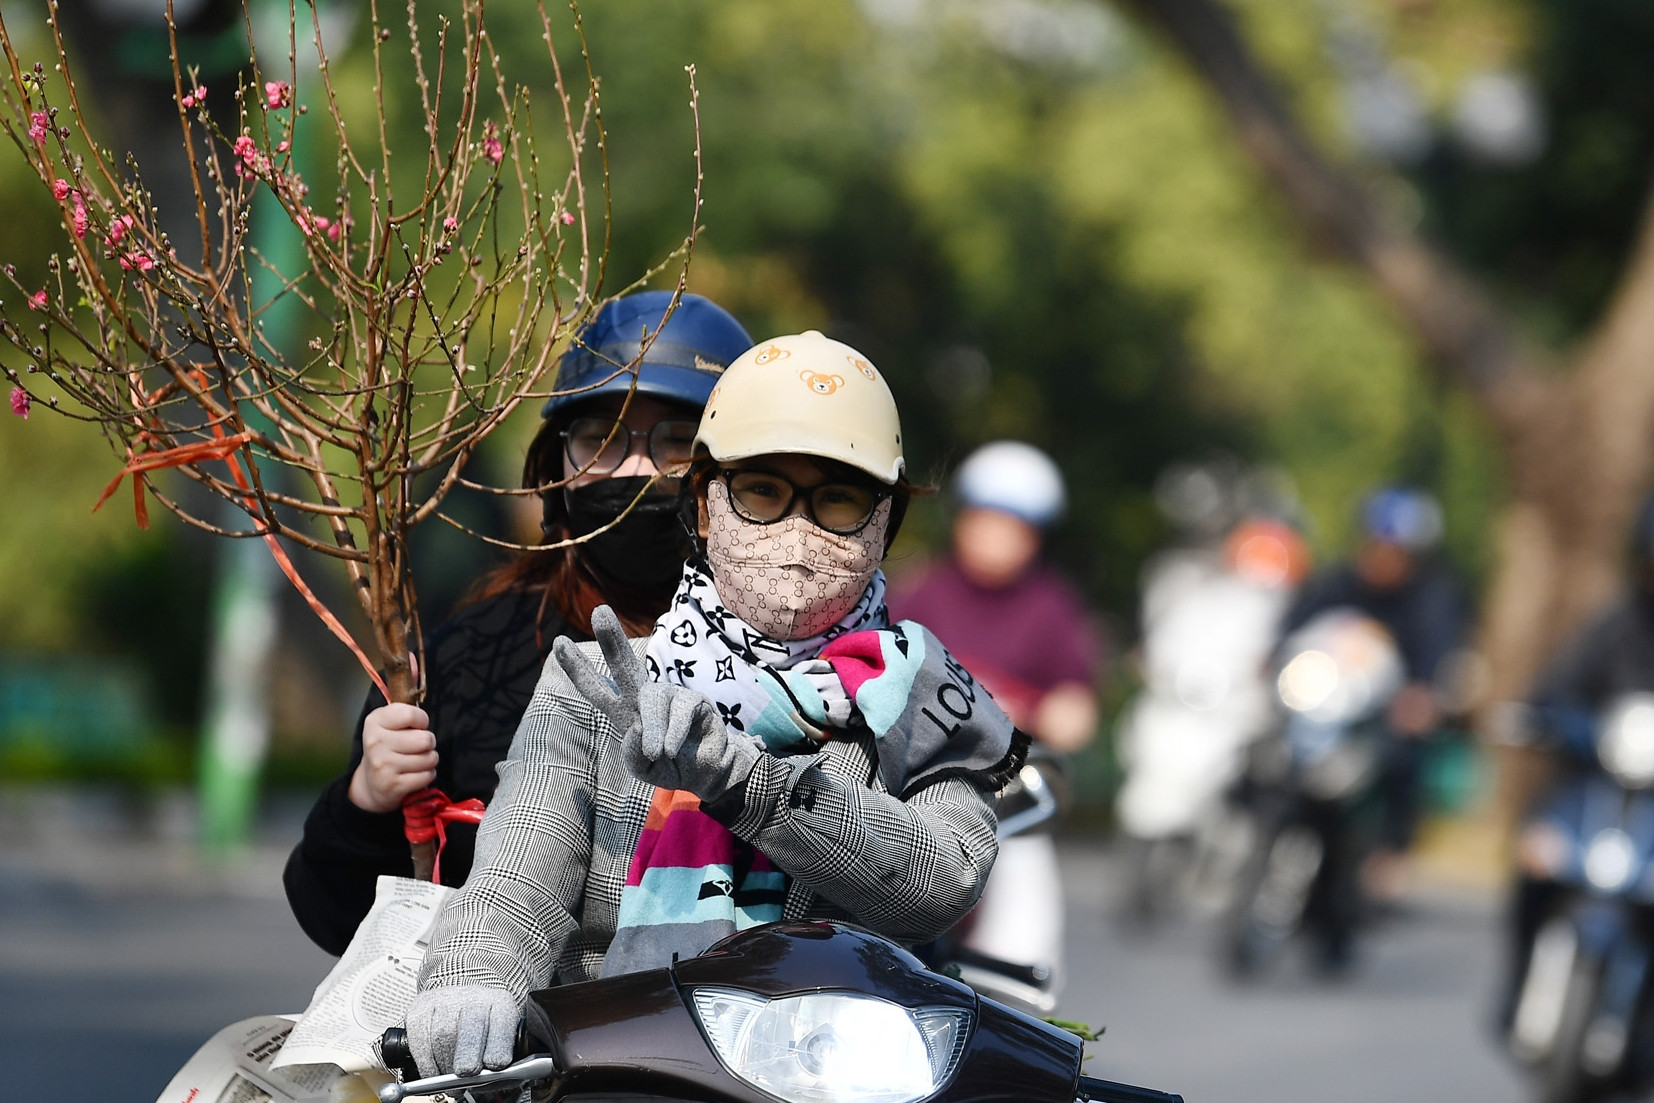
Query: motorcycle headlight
{"type": "Point", "coordinates": [833, 1047]}
{"type": "Point", "coordinates": [1309, 682]}
{"type": "Point", "coordinates": [1627, 744]}
{"type": "Point", "coordinates": [1610, 860]}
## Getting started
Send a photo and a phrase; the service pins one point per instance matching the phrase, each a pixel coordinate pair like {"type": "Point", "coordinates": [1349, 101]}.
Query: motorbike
{"type": "Point", "coordinates": [800, 1012]}
{"type": "Point", "coordinates": [1581, 1021]}
{"type": "Point", "coordinates": [1309, 795]}
{"type": "Point", "coordinates": [1183, 738]}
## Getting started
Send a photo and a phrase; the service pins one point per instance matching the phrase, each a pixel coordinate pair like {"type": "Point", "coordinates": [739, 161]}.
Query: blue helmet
{"type": "Point", "coordinates": [1404, 516]}
{"type": "Point", "coordinates": [682, 364]}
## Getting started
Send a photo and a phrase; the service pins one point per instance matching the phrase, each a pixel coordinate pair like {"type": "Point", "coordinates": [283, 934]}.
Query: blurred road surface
{"type": "Point", "coordinates": [1410, 1023]}
{"type": "Point", "coordinates": [119, 955]}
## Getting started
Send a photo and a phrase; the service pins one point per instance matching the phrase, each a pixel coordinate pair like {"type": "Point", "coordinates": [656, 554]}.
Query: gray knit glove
{"type": "Point", "coordinates": [463, 1028]}
{"type": "Point", "coordinates": [673, 738]}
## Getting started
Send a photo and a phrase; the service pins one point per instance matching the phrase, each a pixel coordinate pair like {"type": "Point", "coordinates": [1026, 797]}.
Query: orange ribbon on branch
{"type": "Point", "coordinates": [224, 446]}
{"type": "Point", "coordinates": [426, 816]}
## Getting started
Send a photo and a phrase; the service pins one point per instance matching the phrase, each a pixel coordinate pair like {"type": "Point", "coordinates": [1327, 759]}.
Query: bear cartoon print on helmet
{"type": "Point", "coordinates": [805, 394]}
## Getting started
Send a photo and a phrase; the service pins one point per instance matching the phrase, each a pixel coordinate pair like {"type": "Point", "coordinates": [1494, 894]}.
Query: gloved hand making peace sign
{"type": "Point", "coordinates": [673, 737]}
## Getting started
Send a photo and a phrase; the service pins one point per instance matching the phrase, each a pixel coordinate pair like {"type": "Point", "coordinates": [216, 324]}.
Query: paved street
{"type": "Point", "coordinates": [1409, 1024]}
{"type": "Point", "coordinates": [118, 957]}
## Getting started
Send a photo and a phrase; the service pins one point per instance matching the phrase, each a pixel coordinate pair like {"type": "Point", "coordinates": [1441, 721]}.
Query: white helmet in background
{"type": "Point", "coordinates": [805, 394]}
{"type": "Point", "coordinates": [1015, 478]}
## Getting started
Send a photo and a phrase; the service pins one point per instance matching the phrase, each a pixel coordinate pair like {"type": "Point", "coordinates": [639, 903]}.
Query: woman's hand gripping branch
{"type": "Point", "coordinates": [398, 758]}
{"type": "Point", "coordinates": [673, 738]}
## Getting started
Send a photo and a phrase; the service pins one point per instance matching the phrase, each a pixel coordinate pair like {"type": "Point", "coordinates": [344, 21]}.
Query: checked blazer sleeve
{"type": "Point", "coordinates": [539, 907]}
{"type": "Point", "coordinates": [908, 870]}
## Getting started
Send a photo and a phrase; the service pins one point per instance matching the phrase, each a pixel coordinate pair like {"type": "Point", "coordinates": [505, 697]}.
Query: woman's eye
{"type": "Point", "coordinates": [838, 496]}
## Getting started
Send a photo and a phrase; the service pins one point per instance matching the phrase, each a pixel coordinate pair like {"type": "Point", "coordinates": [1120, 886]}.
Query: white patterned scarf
{"type": "Point", "coordinates": [691, 881]}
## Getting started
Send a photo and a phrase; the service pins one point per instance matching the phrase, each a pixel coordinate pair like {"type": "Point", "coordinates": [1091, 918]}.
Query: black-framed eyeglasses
{"type": "Point", "coordinates": [764, 498]}
{"type": "Point", "coordinates": [598, 445]}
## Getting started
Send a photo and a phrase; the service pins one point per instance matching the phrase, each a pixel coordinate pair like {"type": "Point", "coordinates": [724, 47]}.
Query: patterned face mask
{"type": "Point", "coordinates": [789, 579]}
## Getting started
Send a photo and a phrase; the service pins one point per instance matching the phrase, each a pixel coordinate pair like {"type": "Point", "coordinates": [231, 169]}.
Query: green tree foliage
{"type": "Point", "coordinates": [1554, 234]}
{"type": "Point", "coordinates": [1042, 234]}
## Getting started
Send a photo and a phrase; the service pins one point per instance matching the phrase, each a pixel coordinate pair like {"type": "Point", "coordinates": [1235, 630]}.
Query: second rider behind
{"type": "Point", "coordinates": [485, 660]}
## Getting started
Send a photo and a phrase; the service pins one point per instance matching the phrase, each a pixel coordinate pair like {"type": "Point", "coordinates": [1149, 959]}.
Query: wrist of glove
{"type": "Point", "coordinates": [463, 1029]}
{"type": "Point", "coordinates": [679, 742]}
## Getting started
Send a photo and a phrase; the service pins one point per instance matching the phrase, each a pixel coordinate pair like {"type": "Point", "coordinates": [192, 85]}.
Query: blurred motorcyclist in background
{"type": "Point", "coordinates": [1024, 632]}
{"type": "Point", "coordinates": [1394, 578]}
{"type": "Point", "coordinates": [1611, 656]}
{"type": "Point", "coordinates": [1208, 626]}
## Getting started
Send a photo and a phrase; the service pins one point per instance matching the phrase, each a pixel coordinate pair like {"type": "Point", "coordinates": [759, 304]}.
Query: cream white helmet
{"type": "Point", "coordinates": [805, 394]}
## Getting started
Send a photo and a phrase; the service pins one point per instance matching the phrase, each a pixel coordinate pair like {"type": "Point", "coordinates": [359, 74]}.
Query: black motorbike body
{"type": "Point", "coordinates": [637, 1038]}
{"type": "Point", "coordinates": [1311, 797]}
{"type": "Point", "coordinates": [1580, 1012]}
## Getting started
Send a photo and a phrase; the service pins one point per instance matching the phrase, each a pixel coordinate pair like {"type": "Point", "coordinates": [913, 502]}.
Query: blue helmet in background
{"type": "Point", "coordinates": [682, 363]}
{"type": "Point", "coordinates": [1404, 516]}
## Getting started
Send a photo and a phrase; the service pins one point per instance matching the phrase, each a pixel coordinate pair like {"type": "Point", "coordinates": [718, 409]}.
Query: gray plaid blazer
{"type": "Point", "coordinates": [540, 905]}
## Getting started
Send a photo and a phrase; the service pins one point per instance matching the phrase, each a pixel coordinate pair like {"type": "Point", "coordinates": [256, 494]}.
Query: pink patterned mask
{"type": "Point", "coordinates": [789, 579]}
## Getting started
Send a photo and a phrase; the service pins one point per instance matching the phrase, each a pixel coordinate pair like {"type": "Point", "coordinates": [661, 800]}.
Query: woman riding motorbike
{"type": "Point", "coordinates": [775, 748]}
{"type": "Point", "coordinates": [483, 662]}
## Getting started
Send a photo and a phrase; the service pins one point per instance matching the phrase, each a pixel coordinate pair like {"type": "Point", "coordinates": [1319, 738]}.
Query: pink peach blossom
{"type": "Point", "coordinates": [37, 301]}
{"type": "Point", "coordinates": [61, 190]}
{"type": "Point", "coordinates": [278, 93]}
{"type": "Point", "coordinates": [567, 217]}
{"type": "Point", "coordinates": [450, 224]}
{"type": "Point", "coordinates": [20, 402]}
{"type": "Point", "coordinates": [39, 121]}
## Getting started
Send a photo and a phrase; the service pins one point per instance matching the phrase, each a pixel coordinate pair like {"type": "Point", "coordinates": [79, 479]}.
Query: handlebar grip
{"type": "Point", "coordinates": [1107, 1091]}
{"type": "Point", "coordinates": [397, 1054]}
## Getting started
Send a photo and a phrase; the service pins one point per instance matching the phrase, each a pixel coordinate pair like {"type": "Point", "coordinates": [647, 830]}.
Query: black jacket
{"type": "Point", "coordinates": [1611, 656]}
{"type": "Point", "coordinates": [484, 663]}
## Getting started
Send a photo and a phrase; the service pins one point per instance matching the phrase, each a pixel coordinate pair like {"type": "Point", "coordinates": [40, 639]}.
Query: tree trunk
{"type": "Point", "coordinates": [1576, 441]}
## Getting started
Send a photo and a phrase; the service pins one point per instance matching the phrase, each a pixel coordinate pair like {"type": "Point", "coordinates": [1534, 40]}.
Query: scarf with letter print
{"type": "Point", "coordinates": [691, 881]}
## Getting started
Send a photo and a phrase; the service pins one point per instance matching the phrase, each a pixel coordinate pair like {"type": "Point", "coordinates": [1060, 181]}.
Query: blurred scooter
{"type": "Point", "coordinates": [1311, 793]}
{"type": "Point", "coordinates": [1581, 1019]}
{"type": "Point", "coordinates": [1209, 625]}
{"type": "Point", "coordinates": [1030, 804]}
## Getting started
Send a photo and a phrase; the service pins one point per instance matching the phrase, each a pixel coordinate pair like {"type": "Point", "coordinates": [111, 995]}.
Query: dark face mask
{"type": "Point", "coordinates": [645, 550]}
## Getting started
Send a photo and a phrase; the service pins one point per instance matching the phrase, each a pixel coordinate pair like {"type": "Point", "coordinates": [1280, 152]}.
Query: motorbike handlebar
{"type": "Point", "coordinates": [1108, 1091]}
{"type": "Point", "coordinates": [398, 1056]}
{"type": "Point", "coordinates": [537, 1066]}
